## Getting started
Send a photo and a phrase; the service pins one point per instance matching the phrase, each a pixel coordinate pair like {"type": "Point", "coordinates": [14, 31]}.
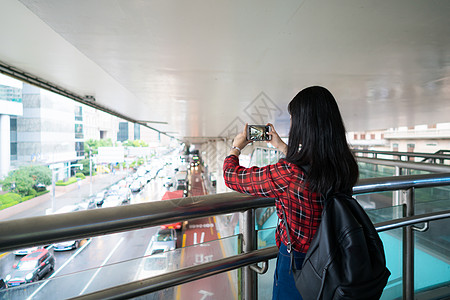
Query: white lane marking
{"type": "Point", "coordinates": [104, 262]}
{"type": "Point", "coordinates": [195, 238]}
{"type": "Point", "coordinates": [202, 237]}
{"type": "Point", "coordinates": [57, 271]}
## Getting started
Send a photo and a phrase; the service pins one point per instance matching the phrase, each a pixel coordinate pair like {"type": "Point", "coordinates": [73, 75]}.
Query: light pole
{"type": "Point", "coordinates": [90, 171]}
{"type": "Point", "coordinates": [53, 189]}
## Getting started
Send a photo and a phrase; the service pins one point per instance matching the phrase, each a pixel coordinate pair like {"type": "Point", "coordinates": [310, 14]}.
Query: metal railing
{"type": "Point", "coordinates": [441, 156]}
{"type": "Point", "coordinates": [18, 233]}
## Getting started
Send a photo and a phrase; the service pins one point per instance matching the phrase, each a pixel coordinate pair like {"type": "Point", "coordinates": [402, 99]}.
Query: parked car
{"type": "Point", "coordinates": [39, 187]}
{"type": "Point", "coordinates": [30, 268]}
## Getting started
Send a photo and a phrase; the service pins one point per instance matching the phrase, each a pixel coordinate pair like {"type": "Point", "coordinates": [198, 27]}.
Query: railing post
{"type": "Point", "coordinates": [397, 194]}
{"type": "Point", "coordinates": [249, 283]}
{"type": "Point", "coordinates": [408, 248]}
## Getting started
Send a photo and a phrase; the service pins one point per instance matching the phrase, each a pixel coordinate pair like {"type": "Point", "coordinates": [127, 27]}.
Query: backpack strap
{"type": "Point", "coordinates": [289, 245]}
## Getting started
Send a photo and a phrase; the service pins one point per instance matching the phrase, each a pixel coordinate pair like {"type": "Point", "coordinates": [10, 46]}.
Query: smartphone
{"type": "Point", "coordinates": [258, 133]}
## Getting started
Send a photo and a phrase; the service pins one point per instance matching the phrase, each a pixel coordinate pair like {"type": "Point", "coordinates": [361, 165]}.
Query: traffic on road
{"type": "Point", "coordinates": [84, 266]}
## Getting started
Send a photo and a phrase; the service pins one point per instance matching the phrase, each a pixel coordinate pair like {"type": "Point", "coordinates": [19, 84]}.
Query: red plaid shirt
{"type": "Point", "coordinates": [285, 182]}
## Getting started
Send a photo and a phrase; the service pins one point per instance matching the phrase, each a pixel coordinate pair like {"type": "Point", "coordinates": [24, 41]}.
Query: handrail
{"type": "Point", "coordinates": [406, 164]}
{"type": "Point", "coordinates": [185, 275]}
{"type": "Point", "coordinates": [21, 233]}
{"type": "Point", "coordinates": [409, 154]}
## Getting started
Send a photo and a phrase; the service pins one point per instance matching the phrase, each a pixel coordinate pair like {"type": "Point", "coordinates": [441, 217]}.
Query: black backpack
{"type": "Point", "coordinates": [346, 257]}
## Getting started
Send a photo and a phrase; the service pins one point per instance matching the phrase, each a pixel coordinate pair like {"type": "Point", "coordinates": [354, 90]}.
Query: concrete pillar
{"type": "Point", "coordinates": [222, 149]}
{"type": "Point", "coordinates": [5, 145]}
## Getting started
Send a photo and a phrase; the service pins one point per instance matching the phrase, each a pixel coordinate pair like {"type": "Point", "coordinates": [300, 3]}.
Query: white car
{"type": "Point", "coordinates": [136, 186]}
{"type": "Point", "coordinates": [25, 251]}
{"type": "Point", "coordinates": [155, 262]}
{"type": "Point", "coordinates": [158, 258]}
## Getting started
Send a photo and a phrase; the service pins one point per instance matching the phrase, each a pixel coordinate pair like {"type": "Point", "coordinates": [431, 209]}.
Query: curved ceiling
{"type": "Point", "coordinates": [199, 69]}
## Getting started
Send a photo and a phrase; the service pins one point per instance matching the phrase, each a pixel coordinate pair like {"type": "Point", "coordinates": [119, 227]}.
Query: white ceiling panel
{"type": "Point", "coordinates": [206, 67]}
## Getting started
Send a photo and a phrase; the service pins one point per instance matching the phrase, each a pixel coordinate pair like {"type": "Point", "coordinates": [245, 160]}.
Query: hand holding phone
{"type": "Point", "coordinates": [258, 133]}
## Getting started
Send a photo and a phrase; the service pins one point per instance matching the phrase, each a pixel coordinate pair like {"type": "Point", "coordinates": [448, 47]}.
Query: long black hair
{"type": "Point", "coordinates": [317, 140]}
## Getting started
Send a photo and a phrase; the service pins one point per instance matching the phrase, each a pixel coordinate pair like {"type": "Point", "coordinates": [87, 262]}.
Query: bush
{"type": "Point", "coordinates": [27, 198]}
{"type": "Point", "coordinates": [42, 193]}
{"type": "Point", "coordinates": [9, 199]}
{"type": "Point", "coordinates": [68, 182]}
{"type": "Point", "coordinates": [80, 175]}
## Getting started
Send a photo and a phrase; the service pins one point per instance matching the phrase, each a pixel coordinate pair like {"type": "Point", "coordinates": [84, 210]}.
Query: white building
{"type": "Point", "coordinates": [10, 106]}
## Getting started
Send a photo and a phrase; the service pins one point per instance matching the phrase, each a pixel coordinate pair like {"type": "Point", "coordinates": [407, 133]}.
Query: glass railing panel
{"type": "Point", "coordinates": [426, 250]}
{"type": "Point", "coordinates": [266, 238]}
{"type": "Point", "coordinates": [392, 241]}
{"type": "Point", "coordinates": [112, 274]}
{"type": "Point", "coordinates": [431, 196]}
{"type": "Point", "coordinates": [432, 256]}
{"type": "Point", "coordinates": [367, 170]}
{"type": "Point", "coordinates": [220, 286]}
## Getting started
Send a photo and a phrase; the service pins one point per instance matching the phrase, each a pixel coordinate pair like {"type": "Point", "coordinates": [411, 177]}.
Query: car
{"type": "Point", "coordinates": [116, 197]}
{"type": "Point", "coordinates": [39, 187]}
{"type": "Point", "coordinates": [125, 194]}
{"type": "Point", "coordinates": [136, 186]}
{"type": "Point", "coordinates": [165, 238]}
{"type": "Point", "coordinates": [155, 262]}
{"type": "Point", "coordinates": [30, 268]}
{"type": "Point", "coordinates": [112, 201]}
{"type": "Point", "coordinates": [158, 256]}
{"type": "Point", "coordinates": [25, 251]}
{"type": "Point", "coordinates": [2, 284]}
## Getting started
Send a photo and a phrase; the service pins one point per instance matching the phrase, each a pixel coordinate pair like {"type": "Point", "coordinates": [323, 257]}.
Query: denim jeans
{"type": "Point", "coordinates": [284, 284]}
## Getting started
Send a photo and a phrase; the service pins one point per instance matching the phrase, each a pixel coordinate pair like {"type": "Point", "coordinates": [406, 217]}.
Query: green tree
{"type": "Point", "coordinates": [22, 180]}
{"type": "Point", "coordinates": [94, 144]}
{"type": "Point", "coordinates": [40, 174]}
{"type": "Point", "coordinates": [19, 181]}
{"type": "Point", "coordinates": [85, 163]}
{"type": "Point", "coordinates": [135, 143]}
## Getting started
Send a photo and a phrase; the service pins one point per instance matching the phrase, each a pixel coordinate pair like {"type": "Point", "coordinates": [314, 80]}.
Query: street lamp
{"type": "Point", "coordinates": [90, 171]}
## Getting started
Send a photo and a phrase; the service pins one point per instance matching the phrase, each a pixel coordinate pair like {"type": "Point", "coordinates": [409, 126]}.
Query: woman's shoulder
{"type": "Point", "coordinates": [290, 167]}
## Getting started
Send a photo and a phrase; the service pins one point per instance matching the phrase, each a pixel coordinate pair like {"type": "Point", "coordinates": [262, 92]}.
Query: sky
{"type": "Point", "coordinates": [9, 81]}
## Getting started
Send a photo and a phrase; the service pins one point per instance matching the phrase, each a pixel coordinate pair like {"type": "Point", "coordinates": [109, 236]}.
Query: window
{"type": "Point", "coordinates": [122, 135]}
{"type": "Point", "coordinates": [79, 148]}
{"type": "Point", "coordinates": [78, 113]}
{"type": "Point", "coordinates": [395, 147]}
{"type": "Point", "coordinates": [79, 131]}
{"type": "Point", "coordinates": [137, 131]}
{"type": "Point", "coordinates": [13, 150]}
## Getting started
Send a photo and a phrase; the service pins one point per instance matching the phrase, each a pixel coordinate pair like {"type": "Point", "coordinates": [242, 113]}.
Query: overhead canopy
{"type": "Point", "coordinates": [198, 70]}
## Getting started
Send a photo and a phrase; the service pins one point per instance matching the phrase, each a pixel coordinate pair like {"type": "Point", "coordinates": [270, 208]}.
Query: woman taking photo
{"type": "Point", "coordinates": [318, 161]}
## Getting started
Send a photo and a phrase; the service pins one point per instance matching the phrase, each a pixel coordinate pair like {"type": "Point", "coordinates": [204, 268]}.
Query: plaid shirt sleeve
{"type": "Point", "coordinates": [268, 181]}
